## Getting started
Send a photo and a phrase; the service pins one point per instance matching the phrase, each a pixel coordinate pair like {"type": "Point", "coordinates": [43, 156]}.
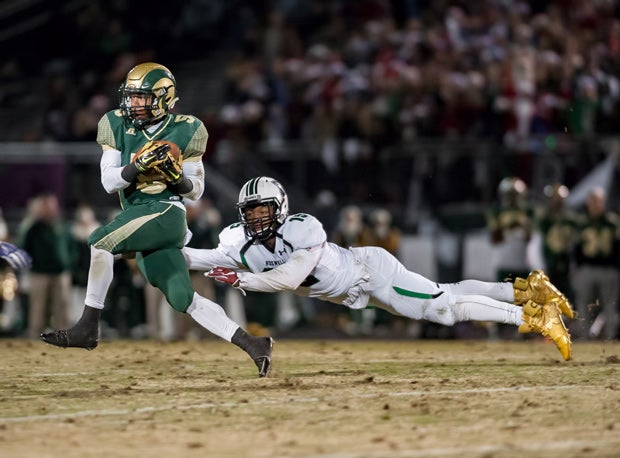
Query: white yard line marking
{"type": "Point", "coordinates": [288, 400]}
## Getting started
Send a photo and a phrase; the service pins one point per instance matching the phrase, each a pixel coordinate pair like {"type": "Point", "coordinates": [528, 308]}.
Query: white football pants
{"type": "Point", "coordinates": [394, 288]}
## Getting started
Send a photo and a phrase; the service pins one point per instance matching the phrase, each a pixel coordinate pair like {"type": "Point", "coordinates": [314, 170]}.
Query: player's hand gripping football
{"type": "Point", "coordinates": [224, 275]}
{"type": "Point", "coordinates": [151, 156]}
{"type": "Point", "coordinates": [170, 169]}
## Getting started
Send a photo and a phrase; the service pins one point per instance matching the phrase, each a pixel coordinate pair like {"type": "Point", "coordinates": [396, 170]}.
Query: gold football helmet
{"type": "Point", "coordinates": [147, 94]}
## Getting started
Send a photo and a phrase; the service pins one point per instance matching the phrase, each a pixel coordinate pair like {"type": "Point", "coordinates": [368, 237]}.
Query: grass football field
{"type": "Point", "coordinates": [323, 399]}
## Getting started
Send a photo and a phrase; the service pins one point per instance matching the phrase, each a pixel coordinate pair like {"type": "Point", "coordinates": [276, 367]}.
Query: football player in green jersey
{"type": "Point", "coordinates": [597, 260]}
{"type": "Point", "coordinates": [510, 226]}
{"type": "Point", "coordinates": [553, 237]}
{"type": "Point", "coordinates": [139, 142]}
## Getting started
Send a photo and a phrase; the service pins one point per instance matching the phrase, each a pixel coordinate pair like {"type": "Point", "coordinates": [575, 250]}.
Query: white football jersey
{"type": "Point", "coordinates": [306, 263]}
{"type": "Point", "coordinates": [331, 277]}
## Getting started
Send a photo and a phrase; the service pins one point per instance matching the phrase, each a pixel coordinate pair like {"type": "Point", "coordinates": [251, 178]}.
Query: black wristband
{"type": "Point", "coordinates": [130, 172]}
{"type": "Point", "coordinates": [182, 187]}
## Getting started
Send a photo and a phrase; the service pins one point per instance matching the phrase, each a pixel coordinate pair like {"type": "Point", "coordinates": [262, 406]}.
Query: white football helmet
{"type": "Point", "coordinates": [262, 191]}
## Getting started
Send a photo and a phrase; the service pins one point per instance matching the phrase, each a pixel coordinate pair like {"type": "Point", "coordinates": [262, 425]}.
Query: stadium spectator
{"type": "Point", "coordinates": [510, 228]}
{"type": "Point", "coordinates": [597, 258]}
{"type": "Point", "coordinates": [509, 223]}
{"type": "Point", "coordinates": [48, 240]}
{"type": "Point", "coordinates": [553, 238]}
{"type": "Point", "coordinates": [348, 232]}
{"type": "Point", "coordinates": [381, 232]}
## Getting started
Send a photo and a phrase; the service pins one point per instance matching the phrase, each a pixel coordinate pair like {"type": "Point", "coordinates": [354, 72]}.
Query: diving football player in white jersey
{"type": "Point", "coordinates": [269, 250]}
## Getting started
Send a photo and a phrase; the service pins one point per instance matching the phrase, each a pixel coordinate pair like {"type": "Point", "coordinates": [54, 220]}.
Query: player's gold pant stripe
{"type": "Point", "coordinates": [110, 241]}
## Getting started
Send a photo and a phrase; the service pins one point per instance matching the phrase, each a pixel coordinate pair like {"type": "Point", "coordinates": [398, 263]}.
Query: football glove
{"type": "Point", "coordinates": [17, 258]}
{"type": "Point", "coordinates": [170, 169]}
{"type": "Point", "coordinates": [151, 155]}
{"type": "Point", "coordinates": [224, 275]}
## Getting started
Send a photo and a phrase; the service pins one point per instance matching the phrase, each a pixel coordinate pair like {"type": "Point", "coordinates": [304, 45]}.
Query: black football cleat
{"type": "Point", "coordinates": [262, 355]}
{"type": "Point", "coordinates": [65, 338]}
{"type": "Point", "coordinates": [258, 348]}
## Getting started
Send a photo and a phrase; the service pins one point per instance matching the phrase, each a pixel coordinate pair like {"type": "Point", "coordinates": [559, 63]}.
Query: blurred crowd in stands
{"type": "Point", "coordinates": [377, 72]}
{"type": "Point", "coordinates": [345, 82]}
{"type": "Point", "coordinates": [351, 80]}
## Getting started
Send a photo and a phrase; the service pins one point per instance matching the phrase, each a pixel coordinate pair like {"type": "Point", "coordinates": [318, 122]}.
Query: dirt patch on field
{"type": "Point", "coordinates": [344, 399]}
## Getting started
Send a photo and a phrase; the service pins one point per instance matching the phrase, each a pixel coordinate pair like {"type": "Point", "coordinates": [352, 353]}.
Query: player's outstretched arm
{"type": "Point", "coordinates": [203, 259]}
{"type": "Point", "coordinates": [285, 277]}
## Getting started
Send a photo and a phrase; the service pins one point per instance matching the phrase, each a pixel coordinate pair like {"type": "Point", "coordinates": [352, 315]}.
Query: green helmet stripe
{"type": "Point", "coordinates": [254, 186]}
{"type": "Point", "coordinates": [247, 189]}
{"type": "Point", "coordinates": [251, 187]}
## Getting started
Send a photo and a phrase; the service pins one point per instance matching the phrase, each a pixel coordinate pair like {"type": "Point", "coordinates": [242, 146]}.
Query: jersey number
{"type": "Point", "coordinates": [298, 217]}
{"type": "Point", "coordinates": [597, 242]}
{"type": "Point", "coordinates": [184, 118]}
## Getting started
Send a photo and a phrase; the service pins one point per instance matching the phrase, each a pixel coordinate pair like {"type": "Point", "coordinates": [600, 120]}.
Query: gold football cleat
{"type": "Point", "coordinates": [547, 320]}
{"type": "Point", "coordinates": [539, 289]}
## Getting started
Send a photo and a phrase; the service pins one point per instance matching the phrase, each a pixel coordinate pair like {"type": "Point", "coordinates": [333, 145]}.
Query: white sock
{"type": "Point", "coordinates": [482, 308]}
{"type": "Point", "coordinates": [212, 317]}
{"type": "Point", "coordinates": [100, 276]}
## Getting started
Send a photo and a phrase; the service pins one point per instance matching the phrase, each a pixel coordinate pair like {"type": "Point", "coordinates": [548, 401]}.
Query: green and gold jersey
{"type": "Point", "coordinates": [500, 218]}
{"type": "Point", "coordinates": [598, 242]}
{"type": "Point", "coordinates": [558, 230]}
{"type": "Point", "coordinates": [510, 229]}
{"type": "Point", "coordinates": [188, 132]}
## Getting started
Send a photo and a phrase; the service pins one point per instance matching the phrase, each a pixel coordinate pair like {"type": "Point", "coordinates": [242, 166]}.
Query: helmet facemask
{"type": "Point", "coordinates": [260, 228]}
